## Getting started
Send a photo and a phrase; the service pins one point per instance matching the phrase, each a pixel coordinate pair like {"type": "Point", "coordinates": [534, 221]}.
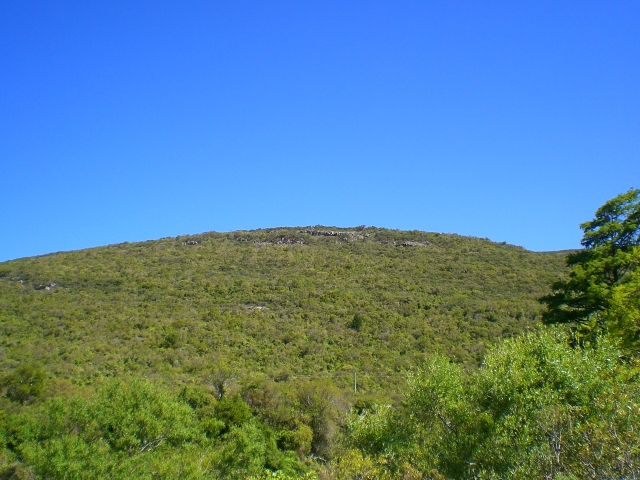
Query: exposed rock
{"type": "Point", "coordinates": [347, 236]}
{"type": "Point", "coordinates": [251, 308]}
{"type": "Point", "coordinates": [411, 244]}
{"type": "Point", "coordinates": [289, 241]}
{"type": "Point", "coordinates": [191, 242]}
{"type": "Point", "coordinates": [323, 233]}
{"type": "Point", "coordinates": [281, 241]}
{"type": "Point", "coordinates": [407, 243]}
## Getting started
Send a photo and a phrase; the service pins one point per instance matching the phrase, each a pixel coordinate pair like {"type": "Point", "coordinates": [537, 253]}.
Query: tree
{"type": "Point", "coordinates": [602, 293]}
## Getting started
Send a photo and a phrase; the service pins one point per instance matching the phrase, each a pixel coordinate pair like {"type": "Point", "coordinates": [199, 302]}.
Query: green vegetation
{"type": "Point", "coordinates": [133, 429]}
{"type": "Point", "coordinates": [537, 408]}
{"type": "Point", "coordinates": [235, 355]}
{"type": "Point", "coordinates": [257, 303]}
{"type": "Point", "coordinates": [550, 404]}
{"type": "Point", "coordinates": [602, 293]}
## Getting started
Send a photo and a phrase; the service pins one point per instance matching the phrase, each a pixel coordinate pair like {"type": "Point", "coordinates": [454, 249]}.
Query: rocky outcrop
{"type": "Point", "coordinates": [411, 244]}
{"type": "Point", "coordinates": [324, 233]}
{"type": "Point", "coordinates": [289, 241]}
{"type": "Point", "coordinates": [407, 243]}
{"type": "Point", "coordinates": [342, 235]}
{"type": "Point", "coordinates": [281, 241]}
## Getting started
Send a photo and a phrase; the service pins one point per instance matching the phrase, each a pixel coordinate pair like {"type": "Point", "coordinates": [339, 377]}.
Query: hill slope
{"type": "Point", "coordinates": [285, 302]}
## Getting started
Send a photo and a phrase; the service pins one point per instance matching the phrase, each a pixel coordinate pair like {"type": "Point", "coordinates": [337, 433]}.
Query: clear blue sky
{"type": "Point", "coordinates": [125, 121]}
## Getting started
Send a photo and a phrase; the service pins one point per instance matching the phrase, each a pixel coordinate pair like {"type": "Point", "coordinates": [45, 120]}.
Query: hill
{"type": "Point", "coordinates": [282, 303]}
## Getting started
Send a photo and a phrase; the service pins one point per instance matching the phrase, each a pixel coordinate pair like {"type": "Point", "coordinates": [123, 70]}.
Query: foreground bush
{"type": "Point", "coordinates": [536, 409]}
{"type": "Point", "coordinates": [134, 429]}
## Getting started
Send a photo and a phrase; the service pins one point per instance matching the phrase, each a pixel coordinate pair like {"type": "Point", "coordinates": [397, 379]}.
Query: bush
{"type": "Point", "coordinates": [536, 409]}
{"type": "Point", "coordinates": [25, 383]}
{"type": "Point", "coordinates": [134, 429]}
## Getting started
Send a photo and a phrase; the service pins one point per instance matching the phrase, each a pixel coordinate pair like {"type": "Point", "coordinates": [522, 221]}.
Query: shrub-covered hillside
{"type": "Point", "coordinates": [285, 303]}
{"type": "Point", "coordinates": [233, 355]}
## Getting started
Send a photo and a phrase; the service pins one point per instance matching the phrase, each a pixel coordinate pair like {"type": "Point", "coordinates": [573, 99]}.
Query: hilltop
{"type": "Point", "coordinates": [282, 303]}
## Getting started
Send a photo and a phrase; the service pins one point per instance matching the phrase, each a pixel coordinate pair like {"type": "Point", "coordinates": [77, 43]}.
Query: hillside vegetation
{"type": "Point", "coordinates": [235, 355]}
{"type": "Point", "coordinates": [285, 302]}
{"type": "Point", "coordinates": [326, 354]}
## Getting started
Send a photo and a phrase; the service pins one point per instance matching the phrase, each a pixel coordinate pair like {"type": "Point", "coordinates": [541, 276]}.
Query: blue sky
{"type": "Point", "coordinates": [127, 121]}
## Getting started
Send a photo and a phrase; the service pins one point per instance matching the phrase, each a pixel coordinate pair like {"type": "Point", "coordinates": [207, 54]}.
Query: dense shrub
{"type": "Point", "coordinates": [134, 429]}
{"type": "Point", "coordinates": [25, 383]}
{"type": "Point", "coordinates": [536, 409]}
{"type": "Point", "coordinates": [376, 301]}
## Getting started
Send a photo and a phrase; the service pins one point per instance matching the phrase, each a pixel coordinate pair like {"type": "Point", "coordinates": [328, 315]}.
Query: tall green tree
{"type": "Point", "coordinates": [602, 292]}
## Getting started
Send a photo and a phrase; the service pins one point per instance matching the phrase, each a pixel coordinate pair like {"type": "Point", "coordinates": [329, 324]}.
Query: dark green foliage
{"type": "Point", "coordinates": [357, 322]}
{"type": "Point", "coordinates": [601, 294]}
{"type": "Point", "coordinates": [616, 224]}
{"type": "Point", "coordinates": [170, 339]}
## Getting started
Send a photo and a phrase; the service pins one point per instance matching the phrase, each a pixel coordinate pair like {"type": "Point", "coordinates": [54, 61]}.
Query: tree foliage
{"type": "Point", "coordinates": [536, 409]}
{"type": "Point", "coordinates": [132, 428]}
{"type": "Point", "coordinates": [601, 294]}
